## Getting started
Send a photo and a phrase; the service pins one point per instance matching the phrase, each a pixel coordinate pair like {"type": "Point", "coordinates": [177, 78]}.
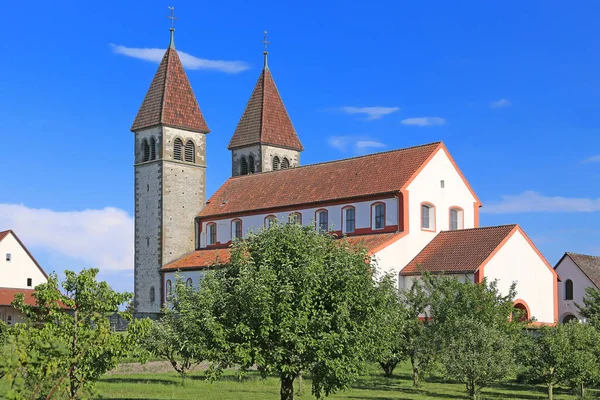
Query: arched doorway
{"type": "Point", "coordinates": [568, 318]}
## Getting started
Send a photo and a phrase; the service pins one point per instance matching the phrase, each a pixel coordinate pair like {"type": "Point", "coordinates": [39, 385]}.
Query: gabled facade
{"type": "Point", "coordinates": [577, 272]}
{"type": "Point", "coordinates": [19, 273]}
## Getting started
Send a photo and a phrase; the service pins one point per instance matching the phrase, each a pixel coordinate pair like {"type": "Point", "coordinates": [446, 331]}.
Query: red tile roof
{"type": "Point", "coordinates": [372, 174]}
{"type": "Point", "coordinates": [461, 251]}
{"type": "Point", "coordinates": [170, 100]}
{"type": "Point", "coordinates": [589, 265]}
{"type": "Point", "coordinates": [7, 295]}
{"type": "Point", "coordinates": [4, 234]}
{"type": "Point", "coordinates": [265, 119]}
{"type": "Point", "coordinates": [205, 258]}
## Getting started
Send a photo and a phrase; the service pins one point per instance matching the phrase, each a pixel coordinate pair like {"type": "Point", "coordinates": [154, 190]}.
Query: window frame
{"type": "Point", "coordinates": [188, 283]}
{"type": "Point", "coordinates": [177, 142]}
{"type": "Point", "coordinates": [285, 163]}
{"type": "Point", "coordinates": [145, 150]}
{"type": "Point", "coordinates": [29, 282]}
{"type": "Point", "coordinates": [276, 163]}
{"type": "Point", "coordinates": [294, 215]}
{"type": "Point", "coordinates": [569, 290]}
{"type": "Point", "coordinates": [345, 219]}
{"type": "Point", "coordinates": [243, 162]}
{"type": "Point", "coordinates": [268, 218]}
{"type": "Point", "coordinates": [189, 149]}
{"type": "Point", "coordinates": [8, 257]}
{"type": "Point", "coordinates": [168, 288]}
{"type": "Point", "coordinates": [460, 218]}
{"type": "Point", "coordinates": [374, 215]}
{"type": "Point", "coordinates": [234, 230]}
{"type": "Point", "coordinates": [431, 208]}
{"type": "Point", "coordinates": [251, 164]}
{"type": "Point", "coordinates": [152, 144]}
{"type": "Point", "coordinates": [318, 219]}
{"type": "Point", "coordinates": [211, 237]}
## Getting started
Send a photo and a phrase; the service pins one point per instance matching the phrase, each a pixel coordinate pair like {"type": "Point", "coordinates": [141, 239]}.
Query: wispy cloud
{"type": "Point", "coordinates": [354, 143]}
{"type": "Point", "coordinates": [500, 103]}
{"type": "Point", "coordinates": [592, 159]}
{"type": "Point", "coordinates": [424, 121]}
{"type": "Point", "coordinates": [531, 201]}
{"type": "Point", "coordinates": [95, 238]}
{"type": "Point", "coordinates": [372, 113]}
{"type": "Point", "coordinates": [189, 61]}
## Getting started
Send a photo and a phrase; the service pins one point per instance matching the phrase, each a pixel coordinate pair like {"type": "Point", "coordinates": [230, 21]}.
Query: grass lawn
{"type": "Point", "coordinates": [371, 386]}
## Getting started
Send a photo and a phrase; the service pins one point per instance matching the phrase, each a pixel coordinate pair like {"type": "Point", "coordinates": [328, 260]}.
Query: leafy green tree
{"type": "Point", "coordinates": [391, 317]}
{"type": "Point", "coordinates": [583, 356]}
{"type": "Point", "coordinates": [75, 324]}
{"type": "Point", "coordinates": [296, 300]}
{"type": "Point", "coordinates": [590, 309]}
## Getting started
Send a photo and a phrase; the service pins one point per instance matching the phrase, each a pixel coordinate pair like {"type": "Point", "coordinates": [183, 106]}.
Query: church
{"type": "Point", "coordinates": [412, 208]}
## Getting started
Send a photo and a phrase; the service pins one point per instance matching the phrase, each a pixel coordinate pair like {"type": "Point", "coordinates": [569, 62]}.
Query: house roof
{"type": "Point", "coordinates": [4, 234]}
{"type": "Point", "coordinates": [205, 258]}
{"type": "Point", "coordinates": [7, 295]}
{"type": "Point", "coordinates": [265, 119]}
{"type": "Point", "coordinates": [589, 265]}
{"type": "Point", "coordinates": [170, 100]}
{"type": "Point", "coordinates": [372, 174]}
{"type": "Point", "coordinates": [459, 251]}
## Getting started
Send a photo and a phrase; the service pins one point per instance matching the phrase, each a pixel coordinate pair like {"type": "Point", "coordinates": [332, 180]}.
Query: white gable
{"type": "Point", "coordinates": [16, 265]}
{"type": "Point", "coordinates": [566, 270]}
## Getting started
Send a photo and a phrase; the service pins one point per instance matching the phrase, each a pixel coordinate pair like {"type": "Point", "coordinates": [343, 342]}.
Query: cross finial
{"type": "Point", "coordinates": [266, 51]}
{"type": "Point", "coordinates": [173, 18]}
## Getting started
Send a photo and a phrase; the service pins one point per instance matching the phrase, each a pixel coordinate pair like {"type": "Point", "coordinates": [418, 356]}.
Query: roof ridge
{"type": "Point", "coordinates": [340, 160]}
{"type": "Point", "coordinates": [480, 228]}
{"type": "Point", "coordinates": [569, 253]}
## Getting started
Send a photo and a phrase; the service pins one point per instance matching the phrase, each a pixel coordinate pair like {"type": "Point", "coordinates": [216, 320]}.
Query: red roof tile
{"type": "Point", "coordinates": [4, 234]}
{"type": "Point", "coordinates": [170, 100]}
{"type": "Point", "coordinates": [205, 258]}
{"type": "Point", "coordinates": [265, 119]}
{"type": "Point", "coordinates": [461, 251]}
{"type": "Point", "coordinates": [372, 174]}
{"type": "Point", "coordinates": [7, 295]}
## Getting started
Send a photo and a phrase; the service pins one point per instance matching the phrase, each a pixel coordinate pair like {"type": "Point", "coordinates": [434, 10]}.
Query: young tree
{"type": "Point", "coordinates": [293, 299]}
{"type": "Point", "coordinates": [582, 356]}
{"type": "Point", "coordinates": [76, 321]}
{"type": "Point", "coordinates": [590, 309]}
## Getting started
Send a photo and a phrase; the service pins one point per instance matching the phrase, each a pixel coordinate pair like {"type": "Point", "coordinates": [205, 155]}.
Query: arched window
{"type": "Point", "coordinates": [168, 287]}
{"type": "Point", "coordinates": [378, 215]}
{"type": "Point", "coordinates": [212, 234]}
{"type": "Point", "coordinates": [270, 221]}
{"type": "Point", "coordinates": [190, 151]}
{"type": "Point", "coordinates": [152, 148]}
{"type": "Point", "coordinates": [251, 164]}
{"type": "Point", "coordinates": [285, 164]}
{"type": "Point", "coordinates": [276, 163]}
{"type": "Point", "coordinates": [295, 218]}
{"type": "Point", "coordinates": [177, 147]}
{"type": "Point", "coordinates": [236, 229]}
{"type": "Point", "coordinates": [568, 318]}
{"type": "Point", "coordinates": [145, 150]}
{"type": "Point", "coordinates": [456, 218]}
{"type": "Point", "coordinates": [522, 310]}
{"type": "Point", "coordinates": [569, 290]}
{"type": "Point", "coordinates": [427, 217]}
{"type": "Point", "coordinates": [243, 166]}
{"type": "Point", "coordinates": [188, 283]}
{"type": "Point", "coordinates": [322, 220]}
{"type": "Point", "coordinates": [152, 294]}
{"type": "Point", "coordinates": [349, 219]}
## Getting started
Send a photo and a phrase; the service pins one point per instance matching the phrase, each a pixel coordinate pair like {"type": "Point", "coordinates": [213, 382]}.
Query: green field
{"type": "Point", "coordinates": [371, 386]}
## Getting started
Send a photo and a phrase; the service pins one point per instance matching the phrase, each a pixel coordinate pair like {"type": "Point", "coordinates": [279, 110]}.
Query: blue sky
{"type": "Point", "coordinates": [511, 87]}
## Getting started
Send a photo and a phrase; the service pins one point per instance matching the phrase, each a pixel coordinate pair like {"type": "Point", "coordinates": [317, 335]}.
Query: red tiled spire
{"type": "Point", "coordinates": [265, 119]}
{"type": "Point", "coordinates": [170, 100]}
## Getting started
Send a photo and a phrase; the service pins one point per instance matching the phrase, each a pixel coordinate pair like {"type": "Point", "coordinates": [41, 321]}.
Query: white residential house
{"type": "Point", "coordinates": [577, 272]}
{"type": "Point", "coordinates": [19, 273]}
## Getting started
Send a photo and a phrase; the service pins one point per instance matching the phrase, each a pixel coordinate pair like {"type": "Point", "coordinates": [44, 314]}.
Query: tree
{"type": "Point", "coordinates": [590, 309]}
{"type": "Point", "coordinates": [76, 325]}
{"type": "Point", "coordinates": [582, 356]}
{"type": "Point", "coordinates": [292, 299]}
{"type": "Point", "coordinates": [391, 317]}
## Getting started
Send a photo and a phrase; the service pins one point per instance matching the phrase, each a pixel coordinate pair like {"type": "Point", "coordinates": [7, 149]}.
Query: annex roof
{"type": "Point", "coordinates": [206, 258]}
{"type": "Point", "coordinates": [378, 173]}
{"type": "Point", "coordinates": [589, 265]}
{"type": "Point", "coordinates": [7, 295]}
{"type": "Point", "coordinates": [459, 251]}
{"type": "Point", "coordinates": [170, 99]}
{"type": "Point", "coordinates": [265, 119]}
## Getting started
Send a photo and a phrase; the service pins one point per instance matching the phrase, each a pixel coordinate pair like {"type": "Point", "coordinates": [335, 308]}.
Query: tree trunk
{"type": "Point", "coordinates": [388, 368]}
{"type": "Point", "coordinates": [415, 372]}
{"type": "Point", "coordinates": [300, 383]}
{"type": "Point", "coordinates": [471, 391]}
{"type": "Point", "coordinates": [582, 391]}
{"type": "Point", "coordinates": [287, 388]}
{"type": "Point", "coordinates": [550, 391]}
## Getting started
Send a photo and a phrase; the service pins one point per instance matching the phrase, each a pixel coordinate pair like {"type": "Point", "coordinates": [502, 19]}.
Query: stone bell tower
{"type": "Point", "coordinates": [170, 175]}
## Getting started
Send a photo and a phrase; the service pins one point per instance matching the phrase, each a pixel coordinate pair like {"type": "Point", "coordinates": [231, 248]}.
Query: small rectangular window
{"type": "Point", "coordinates": [212, 234]}
{"type": "Point", "coordinates": [442, 184]}
{"type": "Point", "coordinates": [379, 216]}
{"type": "Point", "coordinates": [323, 221]}
{"type": "Point", "coordinates": [453, 220]}
{"type": "Point", "coordinates": [237, 229]}
{"type": "Point", "coordinates": [29, 282]}
{"type": "Point", "coordinates": [8, 257]}
{"type": "Point", "coordinates": [349, 220]}
{"type": "Point", "coordinates": [425, 223]}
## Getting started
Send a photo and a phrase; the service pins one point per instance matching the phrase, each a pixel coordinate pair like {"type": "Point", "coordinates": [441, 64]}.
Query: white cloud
{"type": "Point", "coordinates": [357, 144]}
{"type": "Point", "coordinates": [592, 159]}
{"type": "Point", "coordinates": [531, 201]}
{"type": "Point", "coordinates": [98, 238]}
{"type": "Point", "coordinates": [500, 103]}
{"type": "Point", "coordinates": [188, 60]}
{"type": "Point", "coordinates": [424, 121]}
{"type": "Point", "coordinates": [372, 113]}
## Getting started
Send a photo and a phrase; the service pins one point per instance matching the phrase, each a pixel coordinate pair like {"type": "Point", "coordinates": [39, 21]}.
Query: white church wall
{"type": "Point", "coordinates": [516, 261]}
{"type": "Point", "coordinates": [567, 269]}
{"type": "Point", "coordinates": [14, 273]}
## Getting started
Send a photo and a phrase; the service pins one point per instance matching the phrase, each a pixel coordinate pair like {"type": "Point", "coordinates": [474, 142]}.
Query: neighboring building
{"type": "Point", "coordinates": [504, 253]}
{"type": "Point", "coordinates": [395, 203]}
{"type": "Point", "coordinates": [577, 272]}
{"type": "Point", "coordinates": [19, 273]}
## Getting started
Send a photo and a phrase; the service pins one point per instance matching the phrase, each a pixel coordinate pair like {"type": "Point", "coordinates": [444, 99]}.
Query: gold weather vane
{"type": "Point", "coordinates": [266, 51]}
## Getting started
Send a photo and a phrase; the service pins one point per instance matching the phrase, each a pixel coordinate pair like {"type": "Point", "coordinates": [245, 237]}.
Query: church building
{"type": "Point", "coordinates": [412, 208]}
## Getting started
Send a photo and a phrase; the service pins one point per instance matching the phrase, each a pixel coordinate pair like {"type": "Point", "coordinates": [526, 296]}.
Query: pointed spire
{"type": "Point", "coordinates": [266, 51]}
{"type": "Point", "coordinates": [173, 18]}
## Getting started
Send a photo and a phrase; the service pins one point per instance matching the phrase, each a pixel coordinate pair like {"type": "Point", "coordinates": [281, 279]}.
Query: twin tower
{"type": "Point", "coordinates": [170, 166]}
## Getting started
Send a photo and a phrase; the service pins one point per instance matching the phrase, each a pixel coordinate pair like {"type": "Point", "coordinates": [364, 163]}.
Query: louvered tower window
{"type": "Point", "coordinates": [243, 166]}
{"type": "Point", "coordinates": [145, 150]}
{"type": "Point", "coordinates": [251, 164]}
{"type": "Point", "coordinates": [190, 151]}
{"type": "Point", "coordinates": [285, 164]}
{"type": "Point", "coordinates": [152, 148]}
{"type": "Point", "coordinates": [177, 147]}
{"type": "Point", "coordinates": [275, 163]}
